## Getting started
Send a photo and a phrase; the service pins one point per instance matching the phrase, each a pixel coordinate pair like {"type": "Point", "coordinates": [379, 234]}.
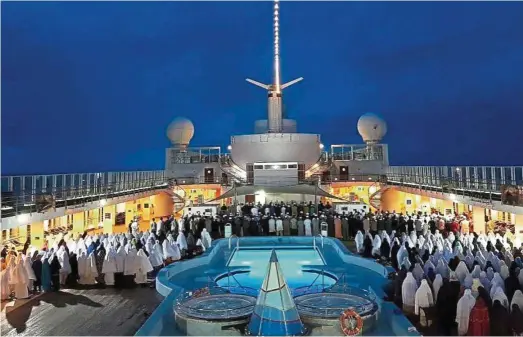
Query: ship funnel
{"type": "Point", "coordinates": [275, 313]}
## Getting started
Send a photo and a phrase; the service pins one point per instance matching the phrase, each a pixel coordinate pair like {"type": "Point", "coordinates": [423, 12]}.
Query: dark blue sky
{"type": "Point", "coordinates": [92, 86]}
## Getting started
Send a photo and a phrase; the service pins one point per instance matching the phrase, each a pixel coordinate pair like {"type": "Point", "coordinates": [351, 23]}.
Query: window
{"type": "Point", "coordinates": [108, 216]}
{"type": "Point", "coordinates": [145, 205]}
{"type": "Point", "coordinates": [292, 166]}
{"type": "Point", "coordinates": [11, 233]}
{"type": "Point", "coordinates": [409, 202]}
{"type": "Point", "coordinates": [258, 167]}
{"type": "Point", "coordinates": [28, 229]}
{"type": "Point", "coordinates": [4, 235]}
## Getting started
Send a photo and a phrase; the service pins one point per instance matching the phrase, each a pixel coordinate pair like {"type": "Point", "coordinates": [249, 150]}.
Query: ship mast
{"type": "Point", "coordinates": [275, 104]}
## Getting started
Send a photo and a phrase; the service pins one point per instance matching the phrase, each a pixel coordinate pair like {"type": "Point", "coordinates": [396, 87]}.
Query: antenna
{"type": "Point", "coordinates": [275, 106]}
{"type": "Point", "coordinates": [276, 70]}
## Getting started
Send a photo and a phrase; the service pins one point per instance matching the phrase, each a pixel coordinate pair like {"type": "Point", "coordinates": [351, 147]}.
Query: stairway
{"type": "Point", "coordinates": [323, 164]}
{"type": "Point", "coordinates": [375, 198]}
{"type": "Point", "coordinates": [233, 171]}
{"type": "Point", "coordinates": [178, 194]}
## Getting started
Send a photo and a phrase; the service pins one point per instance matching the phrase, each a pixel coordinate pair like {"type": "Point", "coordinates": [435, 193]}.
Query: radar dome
{"type": "Point", "coordinates": [180, 132]}
{"type": "Point", "coordinates": [371, 128]}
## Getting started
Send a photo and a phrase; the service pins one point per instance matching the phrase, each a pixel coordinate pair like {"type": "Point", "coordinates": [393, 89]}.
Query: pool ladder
{"type": "Point", "coordinates": [237, 241]}
{"type": "Point", "coordinates": [313, 241]}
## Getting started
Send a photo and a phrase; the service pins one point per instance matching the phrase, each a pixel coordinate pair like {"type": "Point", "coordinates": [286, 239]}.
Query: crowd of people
{"type": "Point", "coordinates": [122, 260]}
{"type": "Point", "coordinates": [469, 283]}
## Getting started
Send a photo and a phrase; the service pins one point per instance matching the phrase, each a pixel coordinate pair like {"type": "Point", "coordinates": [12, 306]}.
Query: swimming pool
{"type": "Point", "coordinates": [303, 260]}
{"type": "Point", "coordinates": [302, 267]}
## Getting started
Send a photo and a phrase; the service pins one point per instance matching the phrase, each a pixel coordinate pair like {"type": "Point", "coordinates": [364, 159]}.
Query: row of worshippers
{"type": "Point", "coordinates": [333, 224]}
{"type": "Point", "coordinates": [115, 260]}
{"type": "Point", "coordinates": [469, 279]}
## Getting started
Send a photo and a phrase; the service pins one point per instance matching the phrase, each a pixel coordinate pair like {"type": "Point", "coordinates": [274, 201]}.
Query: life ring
{"type": "Point", "coordinates": [351, 323]}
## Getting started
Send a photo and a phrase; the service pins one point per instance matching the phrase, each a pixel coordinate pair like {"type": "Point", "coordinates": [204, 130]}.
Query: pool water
{"type": "Point", "coordinates": [301, 268]}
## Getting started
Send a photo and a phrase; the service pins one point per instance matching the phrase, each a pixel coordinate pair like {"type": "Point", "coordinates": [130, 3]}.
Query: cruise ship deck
{"type": "Point", "coordinates": [267, 285]}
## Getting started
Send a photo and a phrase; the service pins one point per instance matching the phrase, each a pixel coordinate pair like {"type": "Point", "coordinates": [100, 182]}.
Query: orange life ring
{"type": "Point", "coordinates": [346, 318]}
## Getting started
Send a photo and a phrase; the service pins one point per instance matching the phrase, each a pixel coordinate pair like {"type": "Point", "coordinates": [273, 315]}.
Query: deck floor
{"type": "Point", "coordinates": [89, 312]}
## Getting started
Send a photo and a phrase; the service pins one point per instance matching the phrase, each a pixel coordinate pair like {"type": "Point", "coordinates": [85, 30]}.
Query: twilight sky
{"type": "Point", "coordinates": [90, 87]}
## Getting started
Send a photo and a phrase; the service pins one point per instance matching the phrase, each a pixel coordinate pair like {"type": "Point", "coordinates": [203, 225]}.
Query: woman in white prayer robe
{"type": "Point", "coordinates": [517, 299]}
{"type": "Point", "coordinates": [499, 295]}
{"type": "Point", "coordinates": [21, 280]}
{"type": "Point", "coordinates": [30, 273]}
{"type": "Point", "coordinates": [423, 299]}
{"type": "Point", "coordinates": [376, 244]}
{"type": "Point", "coordinates": [182, 243]}
{"type": "Point", "coordinates": [436, 285]}
{"type": "Point", "coordinates": [418, 272]}
{"type": "Point", "coordinates": [5, 290]}
{"type": "Point", "coordinates": [109, 266]}
{"type": "Point", "coordinates": [144, 267]}
{"type": "Point", "coordinates": [149, 245]}
{"type": "Point", "coordinates": [504, 272]}
{"type": "Point", "coordinates": [476, 271]}
{"type": "Point", "coordinates": [120, 265]}
{"type": "Point", "coordinates": [65, 269]}
{"type": "Point", "coordinates": [359, 242]}
{"type": "Point", "coordinates": [131, 266]}
{"type": "Point", "coordinates": [465, 305]}
{"type": "Point", "coordinates": [155, 258]}
{"type": "Point", "coordinates": [462, 271]}
{"type": "Point", "coordinates": [408, 292]}
{"type": "Point", "coordinates": [498, 280]}
{"type": "Point", "coordinates": [168, 251]}
{"type": "Point", "coordinates": [87, 269]}
{"type": "Point", "coordinates": [402, 253]}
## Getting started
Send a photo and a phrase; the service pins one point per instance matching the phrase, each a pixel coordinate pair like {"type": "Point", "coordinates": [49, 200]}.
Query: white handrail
{"type": "Point", "coordinates": [314, 240]}
{"type": "Point", "coordinates": [237, 243]}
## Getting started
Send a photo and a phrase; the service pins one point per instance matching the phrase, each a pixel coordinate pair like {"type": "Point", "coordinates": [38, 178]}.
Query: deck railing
{"type": "Point", "coordinates": [25, 194]}
{"type": "Point", "coordinates": [470, 178]}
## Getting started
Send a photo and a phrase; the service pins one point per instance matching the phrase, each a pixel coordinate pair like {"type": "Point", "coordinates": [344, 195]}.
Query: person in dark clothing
{"type": "Point", "coordinates": [385, 250]}
{"type": "Point", "coordinates": [55, 274]}
{"type": "Point", "coordinates": [516, 320]}
{"type": "Point", "coordinates": [37, 269]}
{"type": "Point", "coordinates": [394, 255]}
{"type": "Point", "coordinates": [499, 320]}
{"type": "Point", "coordinates": [367, 246]}
{"type": "Point", "coordinates": [511, 285]}
{"type": "Point", "coordinates": [73, 277]}
{"type": "Point", "coordinates": [446, 305]}
{"type": "Point", "coordinates": [398, 282]}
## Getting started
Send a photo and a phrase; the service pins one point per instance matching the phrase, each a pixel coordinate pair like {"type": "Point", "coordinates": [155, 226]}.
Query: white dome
{"type": "Point", "coordinates": [371, 127]}
{"type": "Point", "coordinates": [180, 131]}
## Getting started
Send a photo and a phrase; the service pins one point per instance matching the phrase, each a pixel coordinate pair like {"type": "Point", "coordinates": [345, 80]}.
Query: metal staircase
{"type": "Point", "coordinates": [375, 198]}
{"type": "Point", "coordinates": [233, 171]}
{"type": "Point", "coordinates": [178, 194]}
{"type": "Point", "coordinates": [323, 164]}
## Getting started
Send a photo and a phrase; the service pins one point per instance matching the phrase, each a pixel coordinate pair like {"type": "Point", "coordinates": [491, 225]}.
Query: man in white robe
{"type": "Point", "coordinates": [408, 292]}
{"type": "Point", "coordinates": [423, 299]}
{"type": "Point", "coordinates": [307, 225]}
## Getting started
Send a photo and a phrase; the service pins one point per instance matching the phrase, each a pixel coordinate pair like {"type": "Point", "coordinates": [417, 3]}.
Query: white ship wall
{"type": "Point", "coordinates": [274, 147]}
